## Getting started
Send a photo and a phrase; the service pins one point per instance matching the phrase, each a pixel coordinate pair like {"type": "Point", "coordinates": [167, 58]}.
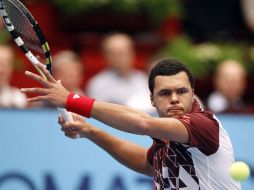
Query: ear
{"type": "Point", "coordinates": [152, 100]}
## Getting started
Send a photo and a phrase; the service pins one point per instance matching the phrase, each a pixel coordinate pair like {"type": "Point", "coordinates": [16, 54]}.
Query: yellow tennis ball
{"type": "Point", "coordinates": [239, 171]}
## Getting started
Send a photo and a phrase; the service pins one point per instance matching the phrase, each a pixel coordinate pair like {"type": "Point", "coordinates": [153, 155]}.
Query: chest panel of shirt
{"type": "Point", "coordinates": [174, 168]}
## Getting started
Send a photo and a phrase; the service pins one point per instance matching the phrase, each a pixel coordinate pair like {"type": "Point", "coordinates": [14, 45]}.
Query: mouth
{"type": "Point", "coordinates": [175, 110]}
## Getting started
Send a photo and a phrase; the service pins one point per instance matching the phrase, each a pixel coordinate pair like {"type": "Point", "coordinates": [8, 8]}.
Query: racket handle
{"type": "Point", "coordinates": [66, 116]}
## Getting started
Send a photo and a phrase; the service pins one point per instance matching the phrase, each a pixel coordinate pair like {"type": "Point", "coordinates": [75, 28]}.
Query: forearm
{"type": "Point", "coordinates": [129, 120]}
{"type": "Point", "coordinates": [129, 154]}
{"type": "Point", "coordinates": [114, 115]}
{"type": "Point", "coordinates": [120, 117]}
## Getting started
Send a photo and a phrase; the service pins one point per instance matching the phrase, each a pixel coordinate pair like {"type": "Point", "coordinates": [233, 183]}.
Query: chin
{"type": "Point", "coordinates": [175, 114]}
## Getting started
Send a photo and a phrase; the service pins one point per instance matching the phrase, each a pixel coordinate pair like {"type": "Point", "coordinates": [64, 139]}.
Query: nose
{"type": "Point", "coordinates": [174, 98]}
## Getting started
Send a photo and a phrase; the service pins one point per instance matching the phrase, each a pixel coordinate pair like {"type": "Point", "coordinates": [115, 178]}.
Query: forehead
{"type": "Point", "coordinates": [178, 80]}
{"type": "Point", "coordinates": [116, 42]}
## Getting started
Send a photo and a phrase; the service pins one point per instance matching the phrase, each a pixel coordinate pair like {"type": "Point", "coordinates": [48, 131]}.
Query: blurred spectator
{"type": "Point", "coordinates": [230, 83]}
{"type": "Point", "coordinates": [247, 8]}
{"type": "Point", "coordinates": [10, 97]}
{"type": "Point", "coordinates": [4, 34]}
{"type": "Point", "coordinates": [68, 68]}
{"type": "Point", "coordinates": [141, 99]}
{"type": "Point", "coordinates": [120, 80]}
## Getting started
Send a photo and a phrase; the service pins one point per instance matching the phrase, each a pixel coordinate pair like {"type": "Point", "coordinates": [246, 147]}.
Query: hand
{"type": "Point", "coordinates": [53, 91]}
{"type": "Point", "coordinates": [79, 127]}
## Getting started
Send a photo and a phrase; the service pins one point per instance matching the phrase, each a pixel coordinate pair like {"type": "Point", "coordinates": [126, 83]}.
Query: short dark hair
{"type": "Point", "coordinates": [168, 67]}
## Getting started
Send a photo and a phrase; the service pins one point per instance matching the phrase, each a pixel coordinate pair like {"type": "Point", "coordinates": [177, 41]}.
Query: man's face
{"type": "Point", "coordinates": [172, 95]}
{"type": "Point", "coordinates": [119, 54]}
{"type": "Point", "coordinates": [230, 81]}
{"type": "Point", "coordinates": [70, 75]}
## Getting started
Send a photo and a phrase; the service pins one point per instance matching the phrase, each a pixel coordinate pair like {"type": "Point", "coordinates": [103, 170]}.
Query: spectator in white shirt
{"type": "Point", "coordinates": [230, 83]}
{"type": "Point", "coordinates": [119, 81]}
{"type": "Point", "coordinates": [10, 97]}
{"type": "Point", "coordinates": [67, 67]}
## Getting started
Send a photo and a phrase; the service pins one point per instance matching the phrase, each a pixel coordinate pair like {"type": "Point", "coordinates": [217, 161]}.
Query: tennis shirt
{"type": "Point", "coordinates": [203, 164]}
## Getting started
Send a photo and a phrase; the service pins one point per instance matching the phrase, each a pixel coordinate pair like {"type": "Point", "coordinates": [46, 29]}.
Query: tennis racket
{"type": "Point", "coordinates": [28, 36]}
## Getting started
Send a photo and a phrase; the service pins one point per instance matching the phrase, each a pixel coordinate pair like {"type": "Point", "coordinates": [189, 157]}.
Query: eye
{"type": "Point", "coordinates": [165, 93]}
{"type": "Point", "coordinates": [182, 91]}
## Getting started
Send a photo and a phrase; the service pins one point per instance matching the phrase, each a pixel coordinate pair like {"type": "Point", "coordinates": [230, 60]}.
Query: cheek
{"type": "Point", "coordinates": [188, 106]}
{"type": "Point", "coordinates": [161, 104]}
{"type": "Point", "coordinates": [187, 102]}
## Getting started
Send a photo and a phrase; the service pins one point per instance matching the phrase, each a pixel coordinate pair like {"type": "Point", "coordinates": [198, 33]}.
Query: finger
{"type": "Point", "coordinates": [60, 120]}
{"type": "Point", "coordinates": [68, 130]}
{"type": "Point", "coordinates": [34, 90]}
{"type": "Point", "coordinates": [67, 125]}
{"type": "Point", "coordinates": [71, 135]}
{"type": "Point", "coordinates": [77, 117]}
{"type": "Point", "coordinates": [37, 78]}
{"type": "Point", "coordinates": [37, 99]}
{"type": "Point", "coordinates": [46, 73]}
{"type": "Point", "coordinates": [74, 125]}
{"type": "Point", "coordinates": [64, 130]}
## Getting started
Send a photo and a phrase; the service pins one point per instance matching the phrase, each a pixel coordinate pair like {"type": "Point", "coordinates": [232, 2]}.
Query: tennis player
{"type": "Point", "coordinates": [190, 150]}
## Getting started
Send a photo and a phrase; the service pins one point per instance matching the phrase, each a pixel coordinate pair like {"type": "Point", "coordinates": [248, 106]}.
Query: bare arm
{"type": "Point", "coordinates": [129, 154]}
{"type": "Point", "coordinates": [134, 121]}
{"type": "Point", "coordinates": [116, 116]}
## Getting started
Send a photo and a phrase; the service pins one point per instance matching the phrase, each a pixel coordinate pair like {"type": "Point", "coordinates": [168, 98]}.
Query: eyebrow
{"type": "Point", "coordinates": [171, 90]}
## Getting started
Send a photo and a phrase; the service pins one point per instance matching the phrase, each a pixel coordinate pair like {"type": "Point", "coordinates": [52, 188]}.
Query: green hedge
{"type": "Point", "coordinates": [202, 58]}
{"type": "Point", "coordinates": [156, 10]}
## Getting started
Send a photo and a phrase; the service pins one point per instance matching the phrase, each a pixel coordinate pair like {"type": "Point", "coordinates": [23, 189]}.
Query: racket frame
{"type": "Point", "coordinates": [20, 43]}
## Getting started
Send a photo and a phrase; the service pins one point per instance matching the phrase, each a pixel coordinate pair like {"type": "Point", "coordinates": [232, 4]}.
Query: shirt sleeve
{"type": "Point", "coordinates": [203, 131]}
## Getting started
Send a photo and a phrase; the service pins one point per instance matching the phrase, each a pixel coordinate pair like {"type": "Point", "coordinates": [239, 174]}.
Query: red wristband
{"type": "Point", "coordinates": [81, 105]}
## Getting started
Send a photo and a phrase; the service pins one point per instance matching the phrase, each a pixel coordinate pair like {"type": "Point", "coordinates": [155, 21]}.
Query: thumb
{"type": "Point", "coordinates": [74, 125]}
{"type": "Point", "coordinates": [77, 117]}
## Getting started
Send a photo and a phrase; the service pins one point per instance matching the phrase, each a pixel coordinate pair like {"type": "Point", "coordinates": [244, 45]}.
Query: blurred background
{"type": "Point", "coordinates": [199, 33]}
{"type": "Point", "coordinates": [206, 35]}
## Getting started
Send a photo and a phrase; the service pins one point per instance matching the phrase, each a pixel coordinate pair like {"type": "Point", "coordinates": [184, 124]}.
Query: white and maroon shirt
{"type": "Point", "coordinates": [203, 164]}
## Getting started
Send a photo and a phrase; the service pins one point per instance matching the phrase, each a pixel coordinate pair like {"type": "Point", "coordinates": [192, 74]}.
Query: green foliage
{"type": "Point", "coordinates": [156, 10]}
{"type": "Point", "coordinates": [203, 58]}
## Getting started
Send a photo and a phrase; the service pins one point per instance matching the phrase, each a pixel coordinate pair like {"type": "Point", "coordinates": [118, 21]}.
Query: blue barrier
{"type": "Point", "coordinates": [35, 155]}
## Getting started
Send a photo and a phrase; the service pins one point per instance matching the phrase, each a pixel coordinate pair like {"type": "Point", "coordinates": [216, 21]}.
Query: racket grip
{"type": "Point", "coordinates": [66, 116]}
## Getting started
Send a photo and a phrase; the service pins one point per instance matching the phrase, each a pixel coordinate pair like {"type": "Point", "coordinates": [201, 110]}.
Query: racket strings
{"type": "Point", "coordinates": [25, 29]}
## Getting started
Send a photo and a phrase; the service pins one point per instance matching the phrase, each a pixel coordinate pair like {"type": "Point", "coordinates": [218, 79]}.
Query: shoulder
{"type": "Point", "coordinates": [13, 97]}
{"type": "Point", "coordinates": [102, 75]}
{"type": "Point", "coordinates": [100, 79]}
{"type": "Point", "coordinates": [201, 119]}
{"type": "Point", "coordinates": [203, 129]}
{"type": "Point", "coordinates": [139, 74]}
{"type": "Point", "coordinates": [217, 102]}
{"type": "Point", "coordinates": [14, 92]}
